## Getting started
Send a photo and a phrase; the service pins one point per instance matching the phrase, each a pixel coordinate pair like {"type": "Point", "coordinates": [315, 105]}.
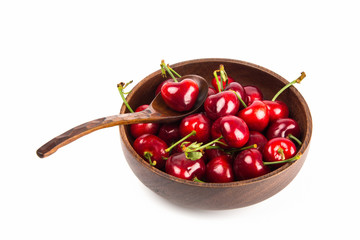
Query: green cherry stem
{"type": "Point", "coordinates": [242, 102]}
{"type": "Point", "coordinates": [121, 86]}
{"type": "Point", "coordinates": [173, 71]}
{"type": "Point", "coordinates": [298, 80]}
{"type": "Point", "coordinates": [241, 149]}
{"type": "Point", "coordinates": [193, 132]}
{"type": "Point", "coordinates": [206, 145]}
{"type": "Point", "coordinates": [163, 65]}
{"type": "Point", "coordinates": [296, 157]}
{"type": "Point", "coordinates": [223, 76]}
{"type": "Point", "coordinates": [292, 137]}
{"type": "Point", "coordinates": [148, 156]}
{"type": "Point", "coordinates": [217, 80]}
{"type": "Point", "coordinates": [195, 179]}
{"type": "Point", "coordinates": [281, 152]}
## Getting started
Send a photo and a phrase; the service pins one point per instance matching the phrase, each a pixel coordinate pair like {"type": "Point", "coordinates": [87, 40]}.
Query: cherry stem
{"type": "Point", "coordinates": [206, 145]}
{"type": "Point", "coordinates": [223, 76]}
{"type": "Point", "coordinates": [195, 179]}
{"type": "Point", "coordinates": [292, 137]}
{"type": "Point", "coordinates": [298, 80]}
{"type": "Point", "coordinates": [242, 101]}
{"type": "Point", "coordinates": [121, 86]}
{"type": "Point", "coordinates": [163, 65]}
{"type": "Point", "coordinates": [173, 71]}
{"type": "Point", "coordinates": [242, 149]}
{"type": "Point", "coordinates": [217, 80]}
{"type": "Point", "coordinates": [281, 152]}
{"type": "Point", "coordinates": [148, 156]}
{"type": "Point", "coordinates": [296, 157]}
{"type": "Point", "coordinates": [193, 132]}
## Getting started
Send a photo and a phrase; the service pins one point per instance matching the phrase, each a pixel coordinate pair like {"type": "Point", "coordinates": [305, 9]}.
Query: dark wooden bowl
{"type": "Point", "coordinates": [219, 195]}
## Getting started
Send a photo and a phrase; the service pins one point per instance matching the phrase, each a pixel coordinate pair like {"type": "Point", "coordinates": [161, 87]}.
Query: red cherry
{"type": "Point", "coordinates": [180, 96]}
{"type": "Point", "coordinates": [151, 148]}
{"type": "Point", "coordinates": [219, 170]}
{"type": "Point", "coordinates": [179, 166]}
{"type": "Point", "coordinates": [277, 109]}
{"type": "Point", "coordinates": [249, 164]}
{"type": "Point", "coordinates": [255, 115]}
{"type": "Point", "coordinates": [211, 91]}
{"type": "Point", "coordinates": [221, 104]}
{"type": "Point", "coordinates": [215, 85]}
{"type": "Point", "coordinates": [279, 149]}
{"type": "Point", "coordinates": [216, 152]}
{"type": "Point", "coordinates": [282, 128]}
{"type": "Point", "coordinates": [158, 89]}
{"type": "Point", "coordinates": [216, 131]}
{"type": "Point", "coordinates": [198, 122]}
{"type": "Point", "coordinates": [139, 129]}
{"type": "Point", "coordinates": [253, 93]}
{"type": "Point", "coordinates": [258, 139]}
{"type": "Point", "coordinates": [235, 131]}
{"type": "Point", "coordinates": [238, 88]}
{"type": "Point", "coordinates": [169, 132]}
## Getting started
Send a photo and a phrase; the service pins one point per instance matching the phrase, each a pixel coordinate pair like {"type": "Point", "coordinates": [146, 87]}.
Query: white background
{"type": "Point", "coordinates": [60, 62]}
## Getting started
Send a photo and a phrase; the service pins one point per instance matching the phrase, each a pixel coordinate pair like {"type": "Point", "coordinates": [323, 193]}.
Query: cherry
{"type": "Point", "coordinates": [220, 82]}
{"type": "Point", "coordinates": [211, 91]}
{"type": "Point", "coordinates": [277, 109]}
{"type": "Point", "coordinates": [239, 90]}
{"type": "Point", "coordinates": [253, 93]}
{"type": "Point", "coordinates": [169, 132]}
{"type": "Point", "coordinates": [152, 148]}
{"type": "Point", "coordinates": [198, 122]}
{"type": "Point", "coordinates": [139, 129]}
{"type": "Point", "coordinates": [180, 96]}
{"type": "Point", "coordinates": [180, 166]}
{"type": "Point", "coordinates": [216, 131]}
{"type": "Point", "coordinates": [249, 164]}
{"type": "Point", "coordinates": [214, 83]}
{"type": "Point", "coordinates": [221, 104]}
{"type": "Point", "coordinates": [158, 89]}
{"type": "Point", "coordinates": [255, 115]}
{"type": "Point", "coordinates": [284, 127]}
{"type": "Point", "coordinates": [216, 150]}
{"type": "Point", "coordinates": [258, 139]}
{"type": "Point", "coordinates": [235, 131]}
{"type": "Point", "coordinates": [279, 150]}
{"type": "Point", "coordinates": [219, 170]}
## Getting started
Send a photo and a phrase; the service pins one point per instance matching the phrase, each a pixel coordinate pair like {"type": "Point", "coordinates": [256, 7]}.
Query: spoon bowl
{"type": "Point", "coordinates": [157, 111]}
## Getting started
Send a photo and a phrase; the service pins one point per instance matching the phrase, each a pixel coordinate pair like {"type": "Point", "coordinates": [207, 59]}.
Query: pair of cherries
{"type": "Point", "coordinates": [236, 138]}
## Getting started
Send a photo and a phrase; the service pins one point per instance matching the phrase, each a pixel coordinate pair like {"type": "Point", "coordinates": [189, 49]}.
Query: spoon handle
{"type": "Point", "coordinates": [88, 127]}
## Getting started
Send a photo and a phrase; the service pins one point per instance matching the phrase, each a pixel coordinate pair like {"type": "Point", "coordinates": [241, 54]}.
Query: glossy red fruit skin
{"type": "Point", "coordinates": [253, 93]}
{"type": "Point", "coordinates": [169, 132]}
{"type": "Point", "coordinates": [158, 89]}
{"type": "Point", "coordinates": [215, 86]}
{"type": "Point", "coordinates": [213, 153]}
{"type": "Point", "coordinates": [249, 164]}
{"type": "Point", "coordinates": [271, 154]}
{"type": "Point", "coordinates": [235, 131]}
{"type": "Point", "coordinates": [138, 129]}
{"type": "Point", "coordinates": [238, 88]}
{"type": "Point", "coordinates": [219, 170]}
{"type": "Point", "coordinates": [216, 131]}
{"type": "Point", "coordinates": [257, 138]}
{"type": "Point", "coordinates": [179, 166]}
{"type": "Point", "coordinates": [154, 145]}
{"type": "Point", "coordinates": [198, 122]}
{"type": "Point", "coordinates": [277, 109]}
{"type": "Point", "coordinates": [256, 116]}
{"type": "Point", "coordinates": [211, 91]}
{"type": "Point", "coordinates": [180, 96]}
{"type": "Point", "coordinates": [282, 128]}
{"type": "Point", "coordinates": [221, 104]}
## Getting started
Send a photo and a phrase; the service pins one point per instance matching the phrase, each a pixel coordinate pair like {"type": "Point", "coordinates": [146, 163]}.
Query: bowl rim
{"type": "Point", "coordinates": [238, 183]}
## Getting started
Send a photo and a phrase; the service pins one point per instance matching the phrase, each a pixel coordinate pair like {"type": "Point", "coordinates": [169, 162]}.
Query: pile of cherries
{"type": "Point", "coordinates": [237, 134]}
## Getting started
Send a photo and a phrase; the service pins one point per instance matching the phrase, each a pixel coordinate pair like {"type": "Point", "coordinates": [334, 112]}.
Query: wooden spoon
{"type": "Point", "coordinates": [157, 111]}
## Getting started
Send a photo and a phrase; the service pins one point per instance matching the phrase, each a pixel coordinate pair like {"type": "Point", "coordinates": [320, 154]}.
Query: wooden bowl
{"type": "Point", "coordinates": [219, 195]}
